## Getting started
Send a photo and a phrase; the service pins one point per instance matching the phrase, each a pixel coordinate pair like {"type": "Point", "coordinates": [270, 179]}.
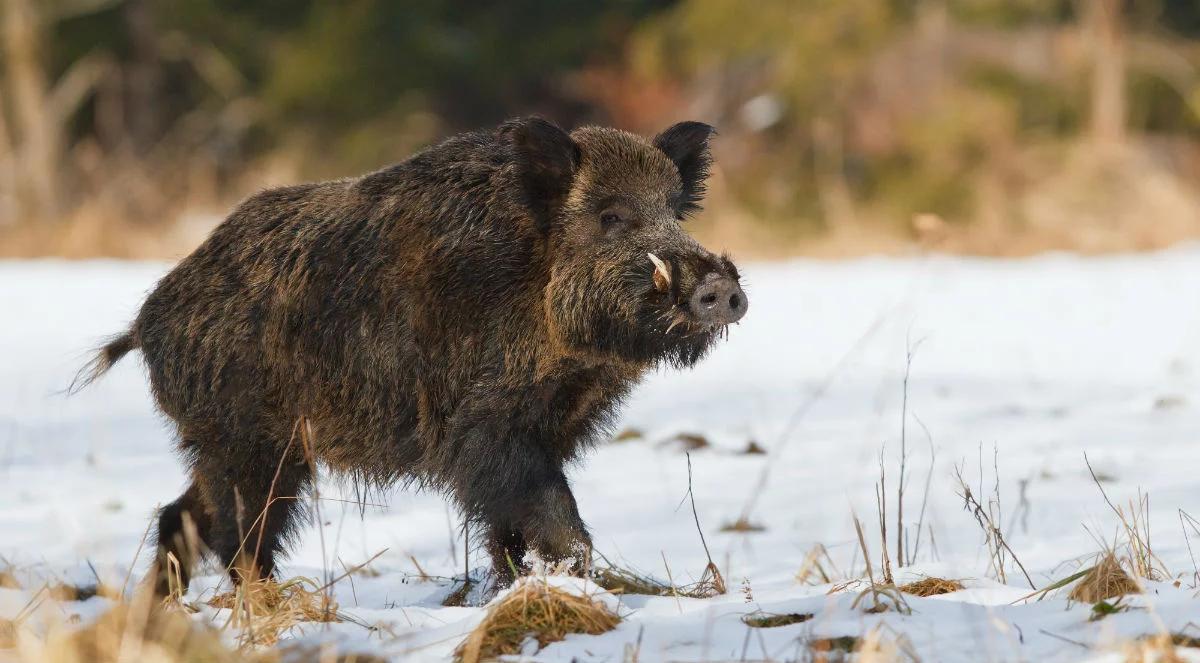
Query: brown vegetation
{"type": "Point", "coordinates": [262, 610]}
{"type": "Point", "coordinates": [931, 586]}
{"type": "Point", "coordinates": [534, 609]}
{"type": "Point", "coordinates": [1105, 580]}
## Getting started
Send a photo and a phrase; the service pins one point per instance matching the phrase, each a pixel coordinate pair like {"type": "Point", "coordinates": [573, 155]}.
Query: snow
{"type": "Point", "coordinates": [1019, 368]}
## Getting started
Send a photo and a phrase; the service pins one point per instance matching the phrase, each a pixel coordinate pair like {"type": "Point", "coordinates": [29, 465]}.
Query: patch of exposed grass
{"type": "Point", "coordinates": [8, 580]}
{"type": "Point", "coordinates": [264, 609]}
{"type": "Point", "coordinates": [68, 592]}
{"type": "Point", "coordinates": [845, 643]}
{"type": "Point", "coordinates": [1102, 609]}
{"type": "Point", "coordinates": [743, 524]}
{"type": "Point", "coordinates": [629, 435]}
{"type": "Point", "coordinates": [8, 634]}
{"type": "Point", "coordinates": [774, 620]}
{"type": "Point", "coordinates": [627, 581]}
{"type": "Point", "coordinates": [1105, 580]}
{"type": "Point", "coordinates": [1181, 640]}
{"type": "Point", "coordinates": [533, 609]}
{"type": "Point", "coordinates": [1158, 648]}
{"type": "Point", "coordinates": [458, 598]}
{"type": "Point", "coordinates": [753, 449]}
{"type": "Point", "coordinates": [818, 568]}
{"type": "Point", "coordinates": [686, 442]}
{"type": "Point", "coordinates": [140, 630]}
{"type": "Point", "coordinates": [930, 586]}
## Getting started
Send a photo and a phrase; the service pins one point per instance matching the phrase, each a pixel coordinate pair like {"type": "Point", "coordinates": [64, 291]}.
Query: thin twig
{"type": "Point", "coordinates": [928, 482]}
{"type": "Point", "coordinates": [352, 569]}
{"type": "Point", "coordinates": [718, 581]}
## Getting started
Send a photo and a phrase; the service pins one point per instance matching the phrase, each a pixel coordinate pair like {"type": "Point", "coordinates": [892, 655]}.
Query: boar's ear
{"type": "Point", "coordinates": [546, 159]}
{"type": "Point", "coordinates": [686, 144]}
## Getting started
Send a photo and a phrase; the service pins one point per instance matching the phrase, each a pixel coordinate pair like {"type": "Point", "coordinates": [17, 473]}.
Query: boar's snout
{"type": "Point", "coordinates": [718, 300]}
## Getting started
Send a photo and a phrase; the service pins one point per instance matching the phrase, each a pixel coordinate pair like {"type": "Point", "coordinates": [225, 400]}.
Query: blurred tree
{"type": "Point", "coordinates": [831, 111]}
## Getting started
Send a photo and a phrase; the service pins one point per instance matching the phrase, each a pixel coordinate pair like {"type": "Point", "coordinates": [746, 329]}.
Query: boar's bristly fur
{"type": "Point", "coordinates": [467, 320]}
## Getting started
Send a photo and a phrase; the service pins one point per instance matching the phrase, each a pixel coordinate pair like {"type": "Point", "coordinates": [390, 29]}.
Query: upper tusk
{"type": "Point", "coordinates": [662, 273]}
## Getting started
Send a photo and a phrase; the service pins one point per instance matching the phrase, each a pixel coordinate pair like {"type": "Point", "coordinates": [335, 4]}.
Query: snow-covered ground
{"type": "Point", "coordinates": [1019, 367]}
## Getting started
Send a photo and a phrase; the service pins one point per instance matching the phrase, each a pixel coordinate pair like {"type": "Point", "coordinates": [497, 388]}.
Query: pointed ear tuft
{"type": "Point", "coordinates": [686, 144]}
{"type": "Point", "coordinates": [546, 159]}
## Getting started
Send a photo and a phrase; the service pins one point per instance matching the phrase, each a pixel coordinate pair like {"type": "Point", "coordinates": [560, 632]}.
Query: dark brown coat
{"type": "Point", "coordinates": [468, 320]}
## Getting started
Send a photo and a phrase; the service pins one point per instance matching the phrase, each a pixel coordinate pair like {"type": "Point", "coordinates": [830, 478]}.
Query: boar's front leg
{"type": "Point", "coordinates": [509, 481]}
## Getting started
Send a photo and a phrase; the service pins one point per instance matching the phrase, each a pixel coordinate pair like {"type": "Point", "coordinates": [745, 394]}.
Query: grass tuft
{"type": "Point", "coordinates": [1153, 649]}
{"type": "Point", "coordinates": [1105, 580]}
{"type": "Point", "coordinates": [742, 525]}
{"type": "Point", "coordinates": [8, 580]}
{"type": "Point", "coordinates": [753, 449]}
{"type": "Point", "coordinates": [620, 580]}
{"type": "Point", "coordinates": [533, 609]}
{"type": "Point", "coordinates": [774, 620]}
{"type": "Point", "coordinates": [930, 586]}
{"type": "Point", "coordinates": [264, 609]}
{"type": "Point", "coordinates": [8, 634]}
{"type": "Point", "coordinates": [686, 442]}
{"type": "Point", "coordinates": [629, 435]}
{"type": "Point", "coordinates": [140, 630]}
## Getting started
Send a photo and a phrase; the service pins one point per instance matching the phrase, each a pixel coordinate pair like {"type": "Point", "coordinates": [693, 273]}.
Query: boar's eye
{"type": "Point", "coordinates": [609, 220]}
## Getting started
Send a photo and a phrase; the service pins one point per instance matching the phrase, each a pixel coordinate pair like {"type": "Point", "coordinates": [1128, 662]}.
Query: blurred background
{"type": "Point", "coordinates": [995, 127]}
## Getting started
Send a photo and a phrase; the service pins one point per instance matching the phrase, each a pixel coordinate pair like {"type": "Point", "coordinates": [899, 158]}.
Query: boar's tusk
{"type": "Point", "coordinates": [662, 273]}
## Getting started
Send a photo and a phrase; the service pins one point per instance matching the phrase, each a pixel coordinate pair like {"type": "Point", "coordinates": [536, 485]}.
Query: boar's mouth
{"type": "Point", "coordinates": [706, 307]}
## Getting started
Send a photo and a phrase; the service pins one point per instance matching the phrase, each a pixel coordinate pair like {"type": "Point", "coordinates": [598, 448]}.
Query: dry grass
{"type": "Point", "coordinates": [145, 631]}
{"type": "Point", "coordinates": [68, 592]}
{"type": "Point", "coordinates": [818, 568]}
{"type": "Point", "coordinates": [533, 609]}
{"type": "Point", "coordinates": [1105, 580]}
{"type": "Point", "coordinates": [136, 632]}
{"type": "Point", "coordinates": [8, 634]}
{"type": "Point", "coordinates": [883, 595]}
{"type": "Point", "coordinates": [830, 649]}
{"type": "Point", "coordinates": [686, 442]}
{"type": "Point", "coordinates": [626, 581]}
{"type": "Point", "coordinates": [1154, 649]}
{"type": "Point", "coordinates": [629, 435]}
{"type": "Point", "coordinates": [875, 648]}
{"type": "Point", "coordinates": [774, 620]}
{"type": "Point", "coordinates": [930, 586]}
{"type": "Point", "coordinates": [989, 518]}
{"type": "Point", "coordinates": [872, 647]}
{"type": "Point", "coordinates": [619, 580]}
{"type": "Point", "coordinates": [262, 610]}
{"type": "Point", "coordinates": [1134, 517]}
{"type": "Point", "coordinates": [743, 524]}
{"type": "Point", "coordinates": [753, 449]}
{"type": "Point", "coordinates": [8, 580]}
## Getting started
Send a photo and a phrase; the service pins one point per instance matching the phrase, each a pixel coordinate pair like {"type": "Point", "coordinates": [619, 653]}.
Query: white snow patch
{"type": "Point", "coordinates": [1022, 366]}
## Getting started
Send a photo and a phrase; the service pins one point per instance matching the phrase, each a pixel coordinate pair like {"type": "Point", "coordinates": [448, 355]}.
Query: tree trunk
{"type": "Point", "coordinates": [1108, 93]}
{"type": "Point", "coordinates": [143, 77]}
{"type": "Point", "coordinates": [37, 136]}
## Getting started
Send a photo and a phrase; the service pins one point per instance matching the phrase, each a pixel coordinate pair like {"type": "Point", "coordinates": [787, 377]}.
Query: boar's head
{"type": "Point", "coordinates": [626, 278]}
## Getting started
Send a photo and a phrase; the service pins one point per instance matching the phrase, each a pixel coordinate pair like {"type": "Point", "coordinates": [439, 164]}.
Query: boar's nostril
{"type": "Point", "coordinates": [718, 300]}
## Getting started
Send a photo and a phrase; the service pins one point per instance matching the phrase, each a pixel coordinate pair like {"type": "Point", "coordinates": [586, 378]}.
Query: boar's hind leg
{"type": "Point", "coordinates": [253, 492]}
{"type": "Point", "coordinates": [183, 531]}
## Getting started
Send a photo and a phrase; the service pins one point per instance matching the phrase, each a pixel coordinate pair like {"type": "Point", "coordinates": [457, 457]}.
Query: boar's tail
{"type": "Point", "coordinates": [109, 354]}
